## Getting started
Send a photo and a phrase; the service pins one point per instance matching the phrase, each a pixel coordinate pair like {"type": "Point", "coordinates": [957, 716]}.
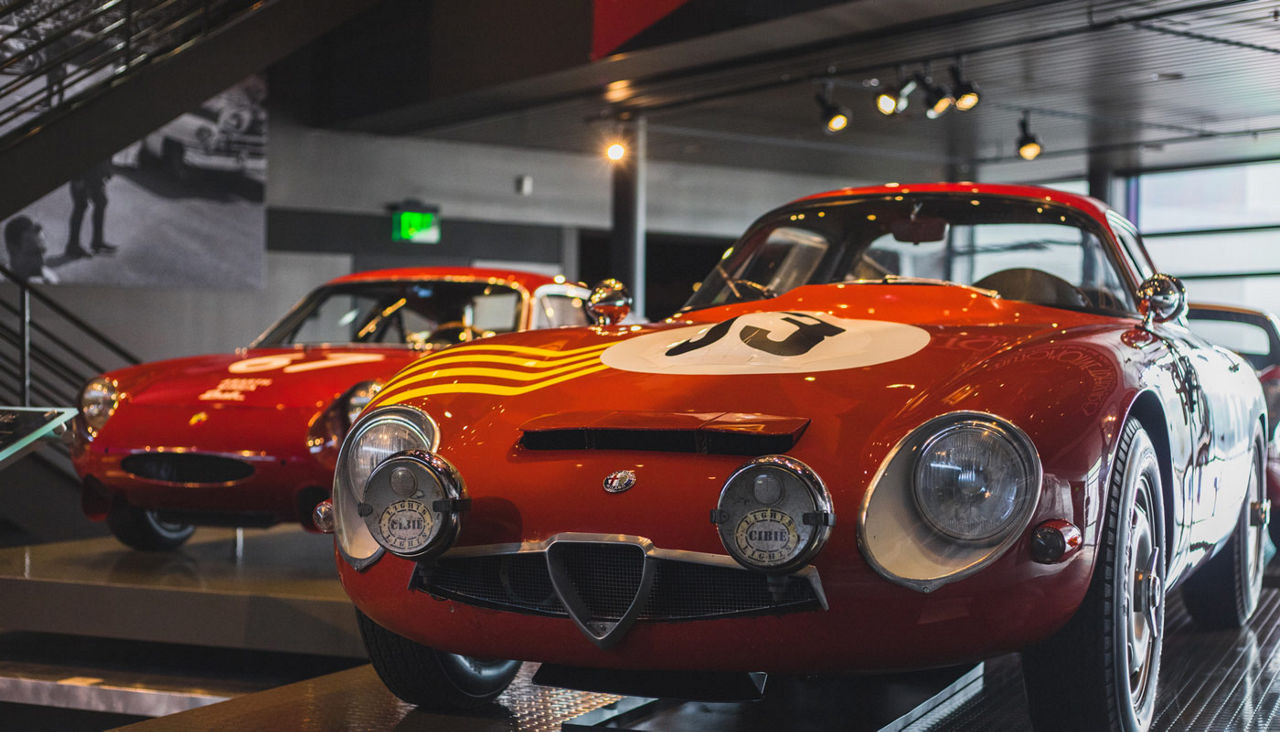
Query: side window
{"type": "Point", "coordinates": [553, 310]}
{"type": "Point", "coordinates": [1135, 254]}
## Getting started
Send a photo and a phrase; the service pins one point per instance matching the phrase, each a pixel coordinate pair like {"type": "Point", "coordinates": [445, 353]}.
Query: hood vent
{"type": "Point", "coordinates": [714, 433]}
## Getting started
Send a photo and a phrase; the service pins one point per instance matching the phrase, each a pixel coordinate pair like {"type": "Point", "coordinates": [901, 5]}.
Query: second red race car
{"type": "Point", "coordinates": [250, 438]}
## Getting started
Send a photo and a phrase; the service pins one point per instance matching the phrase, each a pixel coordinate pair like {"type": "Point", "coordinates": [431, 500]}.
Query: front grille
{"type": "Point", "coordinates": [182, 467]}
{"type": "Point", "coordinates": [606, 576]}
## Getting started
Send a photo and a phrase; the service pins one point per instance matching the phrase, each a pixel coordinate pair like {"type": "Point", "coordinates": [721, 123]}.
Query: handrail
{"type": "Point", "coordinates": [71, 318]}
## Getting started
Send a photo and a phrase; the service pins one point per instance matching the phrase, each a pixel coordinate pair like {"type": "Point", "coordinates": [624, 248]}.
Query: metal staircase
{"type": "Point", "coordinates": [81, 79]}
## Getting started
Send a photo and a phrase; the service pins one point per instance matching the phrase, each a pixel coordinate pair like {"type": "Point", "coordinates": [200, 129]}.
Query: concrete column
{"type": "Point", "coordinates": [626, 258]}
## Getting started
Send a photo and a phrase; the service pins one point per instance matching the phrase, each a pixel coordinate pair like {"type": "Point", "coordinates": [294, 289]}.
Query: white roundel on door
{"type": "Point", "coordinates": [768, 343]}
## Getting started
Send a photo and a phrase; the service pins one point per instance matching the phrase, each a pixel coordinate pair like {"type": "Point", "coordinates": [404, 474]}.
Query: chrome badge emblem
{"type": "Point", "coordinates": [619, 481]}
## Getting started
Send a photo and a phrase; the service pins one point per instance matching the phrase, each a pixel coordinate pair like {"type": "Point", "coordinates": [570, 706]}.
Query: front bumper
{"type": "Point", "coordinates": [866, 624]}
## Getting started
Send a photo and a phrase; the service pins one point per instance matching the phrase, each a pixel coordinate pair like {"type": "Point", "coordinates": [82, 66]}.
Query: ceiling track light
{"type": "Point", "coordinates": [834, 116]}
{"type": "Point", "coordinates": [894, 101]}
{"type": "Point", "coordinates": [964, 90]}
{"type": "Point", "coordinates": [1028, 144]}
{"type": "Point", "coordinates": [937, 97]}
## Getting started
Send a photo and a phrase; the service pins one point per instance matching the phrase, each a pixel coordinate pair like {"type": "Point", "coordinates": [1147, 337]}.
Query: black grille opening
{"type": "Point", "coordinates": [605, 576]}
{"type": "Point", "coordinates": [179, 467]}
{"type": "Point", "coordinates": [693, 441]}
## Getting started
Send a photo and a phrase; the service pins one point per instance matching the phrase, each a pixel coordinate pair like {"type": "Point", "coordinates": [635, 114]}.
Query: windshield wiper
{"type": "Point", "coordinates": [733, 283]}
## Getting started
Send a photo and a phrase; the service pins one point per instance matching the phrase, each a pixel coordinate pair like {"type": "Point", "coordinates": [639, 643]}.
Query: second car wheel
{"type": "Point", "coordinates": [144, 530]}
{"type": "Point", "coordinates": [429, 678]}
{"type": "Point", "coordinates": [1225, 591]}
{"type": "Point", "coordinates": [1100, 670]}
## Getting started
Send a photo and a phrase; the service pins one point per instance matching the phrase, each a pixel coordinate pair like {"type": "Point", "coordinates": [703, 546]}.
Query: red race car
{"type": "Point", "coordinates": [1254, 335]}
{"type": "Point", "coordinates": [250, 438]}
{"type": "Point", "coordinates": [895, 428]}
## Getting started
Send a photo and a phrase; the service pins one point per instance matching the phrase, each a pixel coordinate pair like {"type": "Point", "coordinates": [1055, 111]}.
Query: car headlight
{"type": "Point", "coordinates": [774, 514]}
{"type": "Point", "coordinates": [98, 401]}
{"type": "Point", "coordinates": [951, 498]}
{"type": "Point", "coordinates": [972, 481]}
{"type": "Point", "coordinates": [375, 438]}
{"type": "Point", "coordinates": [413, 504]}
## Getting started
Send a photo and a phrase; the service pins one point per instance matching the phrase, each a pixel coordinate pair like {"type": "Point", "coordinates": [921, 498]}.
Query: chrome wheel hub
{"type": "Point", "coordinates": [1143, 595]}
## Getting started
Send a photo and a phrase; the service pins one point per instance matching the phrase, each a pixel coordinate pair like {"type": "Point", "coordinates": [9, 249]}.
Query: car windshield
{"type": "Point", "coordinates": [1024, 249]}
{"type": "Point", "coordinates": [416, 314]}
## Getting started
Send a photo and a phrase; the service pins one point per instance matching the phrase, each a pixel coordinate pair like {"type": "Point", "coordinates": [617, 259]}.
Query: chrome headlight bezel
{"type": "Point", "coordinates": [355, 542]}
{"type": "Point", "coordinates": [902, 546]}
{"type": "Point", "coordinates": [800, 514]}
{"type": "Point", "coordinates": [99, 399]}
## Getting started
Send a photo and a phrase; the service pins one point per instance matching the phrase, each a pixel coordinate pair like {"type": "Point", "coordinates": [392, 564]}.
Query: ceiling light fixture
{"type": "Point", "coordinates": [964, 90]}
{"type": "Point", "coordinates": [937, 97]}
{"type": "Point", "coordinates": [834, 116]}
{"type": "Point", "coordinates": [894, 100]}
{"type": "Point", "coordinates": [1028, 144]}
{"type": "Point", "coordinates": [615, 152]}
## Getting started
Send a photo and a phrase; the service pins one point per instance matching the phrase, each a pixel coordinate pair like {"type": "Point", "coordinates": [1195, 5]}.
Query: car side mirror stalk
{"type": "Point", "coordinates": [1161, 298]}
{"type": "Point", "coordinates": [610, 302]}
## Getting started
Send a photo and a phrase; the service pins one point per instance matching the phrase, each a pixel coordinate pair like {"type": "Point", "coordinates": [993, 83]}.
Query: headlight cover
{"type": "Point", "coordinates": [951, 498]}
{"type": "Point", "coordinates": [98, 401]}
{"type": "Point", "coordinates": [774, 514]}
{"type": "Point", "coordinates": [374, 439]}
{"type": "Point", "coordinates": [413, 504]}
{"type": "Point", "coordinates": [972, 481]}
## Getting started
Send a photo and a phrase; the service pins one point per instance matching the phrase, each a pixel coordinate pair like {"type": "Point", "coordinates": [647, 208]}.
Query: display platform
{"type": "Point", "coordinates": [1210, 680]}
{"type": "Point", "coordinates": [274, 590]}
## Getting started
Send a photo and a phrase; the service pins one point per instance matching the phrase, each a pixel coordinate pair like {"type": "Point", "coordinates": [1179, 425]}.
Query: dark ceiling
{"type": "Point", "coordinates": [1132, 84]}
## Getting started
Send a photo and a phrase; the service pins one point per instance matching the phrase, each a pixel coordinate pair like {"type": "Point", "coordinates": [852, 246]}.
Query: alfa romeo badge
{"type": "Point", "coordinates": [619, 481]}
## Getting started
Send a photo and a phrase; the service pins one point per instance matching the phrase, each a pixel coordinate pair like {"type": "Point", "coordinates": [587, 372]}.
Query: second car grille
{"type": "Point", "coordinates": [606, 576]}
{"type": "Point", "coordinates": [184, 467]}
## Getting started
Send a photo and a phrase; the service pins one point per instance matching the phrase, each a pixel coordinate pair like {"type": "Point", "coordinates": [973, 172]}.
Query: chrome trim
{"type": "Point", "coordinates": [822, 505]}
{"type": "Point", "coordinates": [916, 438]}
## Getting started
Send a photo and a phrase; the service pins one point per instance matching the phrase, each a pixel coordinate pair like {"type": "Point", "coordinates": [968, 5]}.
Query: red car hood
{"type": "Point", "coordinates": [277, 378]}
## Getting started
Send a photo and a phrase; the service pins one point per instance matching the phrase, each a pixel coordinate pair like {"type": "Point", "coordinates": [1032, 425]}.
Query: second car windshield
{"type": "Point", "coordinates": [415, 314]}
{"type": "Point", "coordinates": [1024, 249]}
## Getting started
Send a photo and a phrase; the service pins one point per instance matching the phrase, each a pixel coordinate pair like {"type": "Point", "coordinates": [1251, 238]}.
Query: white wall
{"type": "Point", "coordinates": [361, 173]}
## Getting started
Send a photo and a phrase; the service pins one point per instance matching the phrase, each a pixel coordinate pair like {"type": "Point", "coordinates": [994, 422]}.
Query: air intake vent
{"type": "Point", "coordinates": [182, 467]}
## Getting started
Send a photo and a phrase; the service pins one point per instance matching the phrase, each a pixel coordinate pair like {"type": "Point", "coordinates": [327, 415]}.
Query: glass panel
{"type": "Point", "coordinates": [554, 311]}
{"type": "Point", "coordinates": [1241, 252]}
{"type": "Point", "coordinates": [1210, 198]}
{"type": "Point", "coordinates": [1258, 293]}
{"type": "Point", "coordinates": [1242, 338]}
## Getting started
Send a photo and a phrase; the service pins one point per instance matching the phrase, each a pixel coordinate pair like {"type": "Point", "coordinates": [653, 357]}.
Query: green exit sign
{"type": "Point", "coordinates": [420, 227]}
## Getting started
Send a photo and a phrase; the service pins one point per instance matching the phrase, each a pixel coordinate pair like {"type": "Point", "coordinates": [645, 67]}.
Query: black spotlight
{"type": "Point", "coordinates": [894, 100]}
{"type": "Point", "coordinates": [834, 116]}
{"type": "Point", "coordinates": [1028, 144]}
{"type": "Point", "coordinates": [964, 91]}
{"type": "Point", "coordinates": [937, 98]}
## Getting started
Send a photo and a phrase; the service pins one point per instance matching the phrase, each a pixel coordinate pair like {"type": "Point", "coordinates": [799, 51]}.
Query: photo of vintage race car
{"type": "Point", "coordinates": [1254, 335]}
{"type": "Point", "coordinates": [250, 438]}
{"type": "Point", "coordinates": [896, 428]}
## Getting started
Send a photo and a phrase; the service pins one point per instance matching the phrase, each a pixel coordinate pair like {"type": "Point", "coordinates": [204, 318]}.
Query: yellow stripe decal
{"type": "Point", "coordinates": [491, 389]}
{"type": "Point", "coordinates": [527, 350]}
{"type": "Point", "coordinates": [506, 374]}
{"type": "Point", "coordinates": [433, 362]}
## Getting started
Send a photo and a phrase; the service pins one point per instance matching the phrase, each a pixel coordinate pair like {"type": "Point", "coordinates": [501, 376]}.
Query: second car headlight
{"type": "Point", "coordinates": [971, 481]}
{"type": "Point", "coordinates": [98, 401]}
{"type": "Point", "coordinates": [381, 434]}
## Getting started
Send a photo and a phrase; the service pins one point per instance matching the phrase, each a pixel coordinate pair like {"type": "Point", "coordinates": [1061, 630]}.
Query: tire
{"type": "Point", "coordinates": [429, 678]}
{"type": "Point", "coordinates": [1100, 671]}
{"type": "Point", "coordinates": [142, 529]}
{"type": "Point", "coordinates": [1224, 592]}
{"type": "Point", "coordinates": [1274, 526]}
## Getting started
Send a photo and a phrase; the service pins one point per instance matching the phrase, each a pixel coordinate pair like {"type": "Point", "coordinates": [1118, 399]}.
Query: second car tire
{"type": "Point", "coordinates": [142, 529]}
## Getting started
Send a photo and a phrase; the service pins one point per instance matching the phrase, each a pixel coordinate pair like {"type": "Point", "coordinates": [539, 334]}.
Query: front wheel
{"type": "Point", "coordinates": [142, 529]}
{"type": "Point", "coordinates": [429, 678]}
{"type": "Point", "coordinates": [1225, 591]}
{"type": "Point", "coordinates": [1100, 670]}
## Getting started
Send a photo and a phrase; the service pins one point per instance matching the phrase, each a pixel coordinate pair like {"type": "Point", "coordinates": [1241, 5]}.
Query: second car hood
{"type": "Point", "coordinates": [278, 378]}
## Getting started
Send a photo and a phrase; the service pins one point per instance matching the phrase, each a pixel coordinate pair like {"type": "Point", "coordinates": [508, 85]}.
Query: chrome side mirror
{"type": "Point", "coordinates": [1161, 298]}
{"type": "Point", "coordinates": [609, 303]}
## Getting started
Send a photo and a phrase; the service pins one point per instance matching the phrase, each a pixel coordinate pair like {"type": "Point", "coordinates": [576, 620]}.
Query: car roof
{"type": "Point", "coordinates": [527, 280]}
{"type": "Point", "coordinates": [1090, 205]}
